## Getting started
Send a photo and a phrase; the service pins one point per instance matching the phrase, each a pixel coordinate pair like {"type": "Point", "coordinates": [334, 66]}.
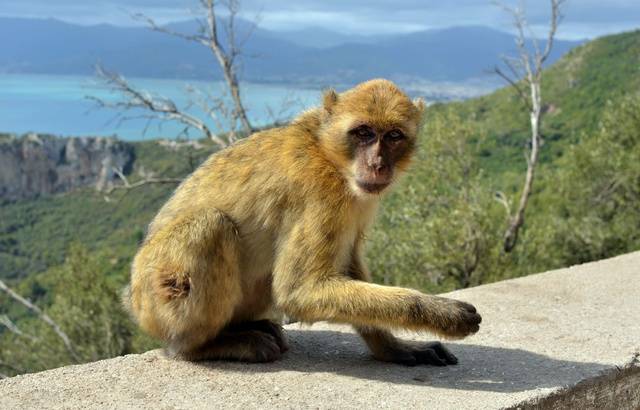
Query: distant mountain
{"type": "Point", "coordinates": [309, 56]}
{"type": "Point", "coordinates": [318, 37]}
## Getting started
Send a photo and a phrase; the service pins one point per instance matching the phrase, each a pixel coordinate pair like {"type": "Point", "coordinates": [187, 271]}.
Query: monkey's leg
{"type": "Point", "coordinates": [385, 347]}
{"type": "Point", "coordinates": [186, 282]}
{"type": "Point", "coordinates": [382, 344]}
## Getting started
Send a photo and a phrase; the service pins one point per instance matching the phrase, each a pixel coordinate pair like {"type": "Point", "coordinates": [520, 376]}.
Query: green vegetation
{"type": "Point", "coordinates": [441, 229]}
{"type": "Point", "coordinates": [82, 298]}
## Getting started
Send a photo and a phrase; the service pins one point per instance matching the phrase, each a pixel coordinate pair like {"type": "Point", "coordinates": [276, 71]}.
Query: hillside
{"type": "Point", "coordinates": [453, 54]}
{"type": "Point", "coordinates": [35, 234]}
{"type": "Point", "coordinates": [439, 230]}
{"type": "Point", "coordinates": [575, 91]}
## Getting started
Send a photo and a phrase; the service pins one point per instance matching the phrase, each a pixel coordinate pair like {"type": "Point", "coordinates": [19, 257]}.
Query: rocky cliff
{"type": "Point", "coordinates": [33, 165]}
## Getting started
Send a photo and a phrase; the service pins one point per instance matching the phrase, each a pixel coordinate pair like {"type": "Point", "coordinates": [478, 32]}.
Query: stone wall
{"type": "Point", "coordinates": [565, 339]}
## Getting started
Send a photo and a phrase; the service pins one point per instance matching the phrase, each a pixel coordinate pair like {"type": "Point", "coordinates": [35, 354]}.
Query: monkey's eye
{"type": "Point", "coordinates": [364, 134]}
{"type": "Point", "coordinates": [395, 135]}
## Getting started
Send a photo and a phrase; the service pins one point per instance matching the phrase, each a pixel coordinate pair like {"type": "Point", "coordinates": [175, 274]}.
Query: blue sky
{"type": "Point", "coordinates": [583, 18]}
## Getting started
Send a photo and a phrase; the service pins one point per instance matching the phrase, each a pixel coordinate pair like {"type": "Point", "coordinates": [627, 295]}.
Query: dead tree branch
{"type": "Point", "coordinates": [13, 328]}
{"type": "Point", "coordinates": [147, 180]}
{"type": "Point", "coordinates": [525, 72]}
{"type": "Point", "coordinates": [44, 317]}
{"type": "Point", "coordinates": [226, 55]}
{"type": "Point", "coordinates": [161, 108]}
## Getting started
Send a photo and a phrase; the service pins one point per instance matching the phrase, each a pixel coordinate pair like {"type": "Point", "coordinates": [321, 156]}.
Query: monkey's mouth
{"type": "Point", "coordinates": [372, 187]}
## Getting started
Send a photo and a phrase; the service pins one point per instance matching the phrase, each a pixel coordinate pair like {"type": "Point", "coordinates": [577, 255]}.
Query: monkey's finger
{"type": "Point", "coordinates": [469, 307]}
{"type": "Point", "coordinates": [404, 357]}
{"type": "Point", "coordinates": [429, 356]}
{"type": "Point", "coordinates": [444, 353]}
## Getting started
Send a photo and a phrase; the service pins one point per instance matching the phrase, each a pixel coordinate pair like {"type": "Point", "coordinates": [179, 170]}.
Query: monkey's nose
{"type": "Point", "coordinates": [377, 164]}
{"type": "Point", "coordinates": [380, 167]}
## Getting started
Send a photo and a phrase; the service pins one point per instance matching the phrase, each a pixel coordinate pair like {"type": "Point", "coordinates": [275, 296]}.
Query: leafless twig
{"type": "Point", "coordinates": [226, 55]}
{"type": "Point", "coordinates": [147, 180]}
{"type": "Point", "coordinates": [44, 317]}
{"type": "Point", "coordinates": [159, 107]}
{"type": "Point", "coordinates": [13, 328]}
{"type": "Point", "coordinates": [287, 105]}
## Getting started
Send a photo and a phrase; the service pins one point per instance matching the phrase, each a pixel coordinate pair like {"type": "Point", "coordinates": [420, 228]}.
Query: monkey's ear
{"type": "Point", "coordinates": [329, 100]}
{"type": "Point", "coordinates": [420, 105]}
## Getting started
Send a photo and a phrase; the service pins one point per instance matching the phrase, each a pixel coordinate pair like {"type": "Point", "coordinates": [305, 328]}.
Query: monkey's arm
{"type": "Point", "coordinates": [382, 344]}
{"type": "Point", "coordinates": [310, 284]}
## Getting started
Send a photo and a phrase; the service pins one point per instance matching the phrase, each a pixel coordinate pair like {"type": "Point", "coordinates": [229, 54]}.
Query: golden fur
{"type": "Point", "coordinates": [275, 224]}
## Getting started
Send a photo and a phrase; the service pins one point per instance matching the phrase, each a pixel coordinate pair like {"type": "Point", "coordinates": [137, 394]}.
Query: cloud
{"type": "Point", "coordinates": [584, 18]}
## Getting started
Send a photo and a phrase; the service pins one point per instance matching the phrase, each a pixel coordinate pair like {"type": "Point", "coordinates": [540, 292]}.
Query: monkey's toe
{"type": "Point", "coordinates": [277, 332]}
{"type": "Point", "coordinates": [435, 354]}
{"type": "Point", "coordinates": [268, 327]}
{"type": "Point", "coordinates": [265, 348]}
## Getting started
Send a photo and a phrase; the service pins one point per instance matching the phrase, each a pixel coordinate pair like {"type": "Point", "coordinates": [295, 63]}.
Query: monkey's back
{"type": "Point", "coordinates": [259, 181]}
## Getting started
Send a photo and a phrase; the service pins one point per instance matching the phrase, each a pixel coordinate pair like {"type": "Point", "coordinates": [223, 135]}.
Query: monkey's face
{"type": "Point", "coordinates": [370, 132]}
{"type": "Point", "coordinates": [376, 151]}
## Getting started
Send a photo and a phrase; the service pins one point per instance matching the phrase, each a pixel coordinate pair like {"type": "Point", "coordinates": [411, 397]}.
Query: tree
{"type": "Point", "coordinates": [437, 231]}
{"type": "Point", "coordinates": [85, 321]}
{"type": "Point", "coordinates": [600, 189]}
{"type": "Point", "coordinates": [156, 107]}
{"type": "Point", "coordinates": [525, 72]}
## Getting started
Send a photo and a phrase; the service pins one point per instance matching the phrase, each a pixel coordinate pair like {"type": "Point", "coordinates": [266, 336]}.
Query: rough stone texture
{"type": "Point", "coordinates": [34, 165]}
{"type": "Point", "coordinates": [563, 339]}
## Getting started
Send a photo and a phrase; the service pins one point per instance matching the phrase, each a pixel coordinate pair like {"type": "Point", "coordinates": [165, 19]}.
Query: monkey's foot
{"type": "Point", "coordinates": [433, 353]}
{"type": "Point", "coordinates": [252, 346]}
{"type": "Point", "coordinates": [268, 327]}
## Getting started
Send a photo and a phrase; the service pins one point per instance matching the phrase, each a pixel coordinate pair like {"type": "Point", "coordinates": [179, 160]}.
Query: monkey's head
{"type": "Point", "coordinates": [370, 133]}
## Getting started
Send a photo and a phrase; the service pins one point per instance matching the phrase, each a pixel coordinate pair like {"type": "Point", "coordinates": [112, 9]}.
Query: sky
{"type": "Point", "coordinates": [583, 18]}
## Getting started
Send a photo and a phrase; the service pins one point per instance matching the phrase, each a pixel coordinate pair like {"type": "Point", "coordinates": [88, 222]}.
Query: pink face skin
{"type": "Point", "coordinates": [376, 152]}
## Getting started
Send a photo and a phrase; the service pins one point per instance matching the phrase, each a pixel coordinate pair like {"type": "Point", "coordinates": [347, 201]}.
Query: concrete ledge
{"type": "Point", "coordinates": [563, 339]}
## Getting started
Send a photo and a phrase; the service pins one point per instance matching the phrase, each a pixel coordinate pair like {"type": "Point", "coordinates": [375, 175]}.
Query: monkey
{"type": "Point", "coordinates": [275, 224]}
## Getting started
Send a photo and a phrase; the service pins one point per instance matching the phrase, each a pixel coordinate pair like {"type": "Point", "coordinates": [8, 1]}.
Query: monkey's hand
{"type": "Point", "coordinates": [451, 318]}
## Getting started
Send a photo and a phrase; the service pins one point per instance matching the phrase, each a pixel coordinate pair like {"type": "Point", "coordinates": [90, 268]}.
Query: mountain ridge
{"type": "Point", "coordinates": [55, 47]}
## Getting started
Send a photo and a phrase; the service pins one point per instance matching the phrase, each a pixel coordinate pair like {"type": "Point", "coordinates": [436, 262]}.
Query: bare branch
{"type": "Point", "coordinates": [556, 18]}
{"type": "Point", "coordinates": [13, 328]}
{"type": "Point", "coordinates": [147, 180]}
{"type": "Point", "coordinates": [521, 93]}
{"type": "Point", "coordinates": [44, 317]}
{"type": "Point", "coordinates": [151, 23]}
{"type": "Point", "coordinates": [226, 56]}
{"type": "Point", "coordinates": [161, 108]}
{"type": "Point", "coordinates": [282, 115]}
{"type": "Point", "coordinates": [143, 182]}
{"type": "Point", "coordinates": [502, 199]}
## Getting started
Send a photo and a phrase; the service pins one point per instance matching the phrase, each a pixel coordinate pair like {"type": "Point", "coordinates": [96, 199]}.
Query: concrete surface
{"type": "Point", "coordinates": [563, 339]}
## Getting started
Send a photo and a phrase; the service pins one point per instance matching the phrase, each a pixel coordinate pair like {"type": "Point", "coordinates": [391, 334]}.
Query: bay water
{"type": "Point", "coordinates": [57, 104]}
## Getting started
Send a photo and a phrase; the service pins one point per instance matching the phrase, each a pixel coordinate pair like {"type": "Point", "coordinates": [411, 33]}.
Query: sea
{"type": "Point", "coordinates": [62, 105]}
